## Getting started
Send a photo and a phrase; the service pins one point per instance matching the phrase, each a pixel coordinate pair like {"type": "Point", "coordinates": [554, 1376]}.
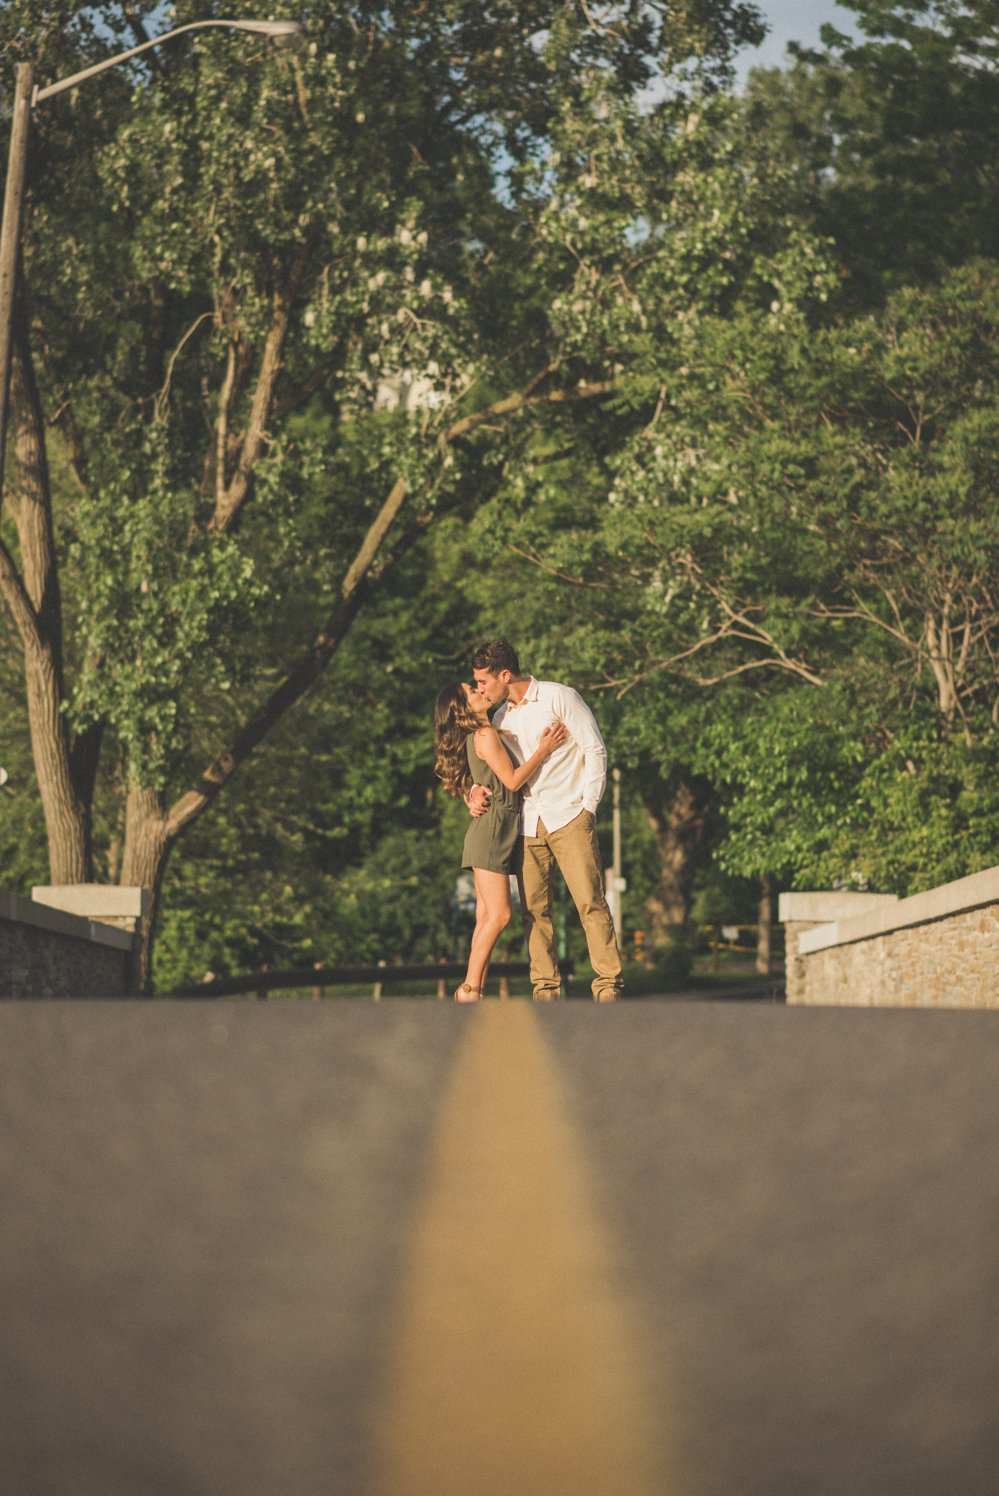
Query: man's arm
{"type": "Point", "coordinates": [573, 711]}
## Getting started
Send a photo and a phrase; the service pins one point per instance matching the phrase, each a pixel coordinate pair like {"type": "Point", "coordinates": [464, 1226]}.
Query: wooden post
{"type": "Point", "coordinates": [764, 928]}
{"type": "Point", "coordinates": [504, 988]}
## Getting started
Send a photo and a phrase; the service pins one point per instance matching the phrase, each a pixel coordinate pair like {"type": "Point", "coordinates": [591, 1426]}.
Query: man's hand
{"type": "Point", "coordinates": [478, 799]}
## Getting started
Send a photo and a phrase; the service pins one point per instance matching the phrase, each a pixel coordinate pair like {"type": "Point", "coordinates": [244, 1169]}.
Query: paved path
{"type": "Point", "coordinates": [412, 1249]}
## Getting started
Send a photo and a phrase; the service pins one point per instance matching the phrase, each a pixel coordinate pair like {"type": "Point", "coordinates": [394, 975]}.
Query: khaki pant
{"type": "Point", "coordinates": [574, 849]}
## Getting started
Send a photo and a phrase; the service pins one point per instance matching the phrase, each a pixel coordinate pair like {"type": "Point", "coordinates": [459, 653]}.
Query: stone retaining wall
{"type": "Point", "coordinates": [47, 952]}
{"type": "Point", "coordinates": [938, 949]}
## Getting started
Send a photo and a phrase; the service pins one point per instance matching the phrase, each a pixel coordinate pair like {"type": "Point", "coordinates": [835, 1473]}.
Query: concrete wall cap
{"type": "Point", "coordinates": [18, 911]}
{"type": "Point", "coordinates": [94, 900]}
{"type": "Point", "coordinates": [958, 897]}
{"type": "Point", "coordinates": [822, 907]}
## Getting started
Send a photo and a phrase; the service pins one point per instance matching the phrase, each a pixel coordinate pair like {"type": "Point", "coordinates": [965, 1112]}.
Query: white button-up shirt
{"type": "Point", "coordinates": [573, 777]}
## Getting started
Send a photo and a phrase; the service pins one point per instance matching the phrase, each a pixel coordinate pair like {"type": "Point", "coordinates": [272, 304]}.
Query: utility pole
{"type": "Point", "coordinates": [765, 925]}
{"type": "Point", "coordinates": [616, 885]}
{"type": "Point", "coordinates": [10, 234]}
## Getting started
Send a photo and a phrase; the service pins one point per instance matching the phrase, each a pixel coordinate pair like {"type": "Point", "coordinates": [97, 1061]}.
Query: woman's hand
{"type": "Point", "coordinates": [553, 737]}
{"type": "Point", "coordinates": [487, 741]}
{"type": "Point", "coordinates": [478, 799]}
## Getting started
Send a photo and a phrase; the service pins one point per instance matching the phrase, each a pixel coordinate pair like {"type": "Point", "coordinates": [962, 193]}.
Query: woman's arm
{"type": "Point", "coordinates": [489, 747]}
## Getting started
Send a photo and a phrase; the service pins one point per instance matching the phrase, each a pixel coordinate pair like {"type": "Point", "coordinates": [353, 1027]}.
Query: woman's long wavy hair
{"type": "Point", "coordinates": [453, 721]}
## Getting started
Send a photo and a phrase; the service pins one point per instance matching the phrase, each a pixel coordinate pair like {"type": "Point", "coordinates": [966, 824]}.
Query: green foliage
{"type": "Point", "coordinates": [893, 138]}
{"type": "Point", "coordinates": [153, 603]}
{"type": "Point", "coordinates": [815, 800]}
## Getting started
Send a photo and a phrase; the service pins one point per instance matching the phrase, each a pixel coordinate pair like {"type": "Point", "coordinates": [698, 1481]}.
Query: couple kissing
{"type": "Point", "coordinates": [532, 779]}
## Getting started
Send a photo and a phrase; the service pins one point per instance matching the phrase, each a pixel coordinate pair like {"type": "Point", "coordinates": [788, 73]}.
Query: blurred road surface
{"type": "Point", "coordinates": [409, 1249]}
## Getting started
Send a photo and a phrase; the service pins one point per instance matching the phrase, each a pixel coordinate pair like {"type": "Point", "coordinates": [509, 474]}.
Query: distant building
{"type": "Point", "coordinates": [406, 392]}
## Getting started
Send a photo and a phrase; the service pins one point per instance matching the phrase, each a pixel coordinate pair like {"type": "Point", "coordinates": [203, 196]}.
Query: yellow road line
{"type": "Point", "coordinates": [519, 1368]}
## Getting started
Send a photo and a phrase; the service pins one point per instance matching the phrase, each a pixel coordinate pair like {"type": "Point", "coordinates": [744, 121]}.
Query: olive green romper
{"type": "Point", "coordinates": [493, 839]}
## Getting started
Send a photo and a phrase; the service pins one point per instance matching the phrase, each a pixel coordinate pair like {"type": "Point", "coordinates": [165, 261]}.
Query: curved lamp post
{"type": "Point", "coordinates": [26, 96]}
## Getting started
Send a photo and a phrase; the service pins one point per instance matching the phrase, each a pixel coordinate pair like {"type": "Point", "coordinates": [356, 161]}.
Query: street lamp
{"type": "Point", "coordinates": [26, 96]}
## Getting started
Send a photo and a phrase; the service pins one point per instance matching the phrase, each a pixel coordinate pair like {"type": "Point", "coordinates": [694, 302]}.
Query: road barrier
{"type": "Point", "coordinates": [319, 977]}
{"type": "Point", "coordinates": [50, 950]}
{"type": "Point", "coordinates": [936, 949]}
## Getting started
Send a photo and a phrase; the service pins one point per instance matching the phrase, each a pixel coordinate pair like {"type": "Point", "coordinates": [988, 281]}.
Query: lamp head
{"type": "Point", "coordinates": [281, 33]}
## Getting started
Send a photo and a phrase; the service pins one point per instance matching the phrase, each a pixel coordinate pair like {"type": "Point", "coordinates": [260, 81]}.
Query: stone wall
{"type": "Point", "coordinates": [938, 949]}
{"type": "Point", "coordinates": [801, 912]}
{"type": "Point", "coordinates": [46, 952]}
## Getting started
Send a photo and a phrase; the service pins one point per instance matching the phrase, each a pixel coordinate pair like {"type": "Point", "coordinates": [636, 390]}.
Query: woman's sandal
{"type": "Point", "coordinates": [474, 994]}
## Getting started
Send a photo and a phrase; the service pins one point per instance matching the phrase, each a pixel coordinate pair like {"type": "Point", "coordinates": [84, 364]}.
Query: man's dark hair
{"type": "Point", "coordinates": [495, 657]}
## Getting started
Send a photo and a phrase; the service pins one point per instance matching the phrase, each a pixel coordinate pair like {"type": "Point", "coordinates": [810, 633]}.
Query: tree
{"type": "Point", "coordinates": [266, 260]}
{"type": "Point", "coordinates": [894, 138]}
{"type": "Point", "coordinates": [811, 534]}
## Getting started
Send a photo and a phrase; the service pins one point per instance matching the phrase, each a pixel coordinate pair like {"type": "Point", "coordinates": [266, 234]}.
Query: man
{"type": "Point", "coordinates": [559, 815]}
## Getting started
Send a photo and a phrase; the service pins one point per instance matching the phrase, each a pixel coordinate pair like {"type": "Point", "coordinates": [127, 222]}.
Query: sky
{"type": "Point", "coordinates": [792, 20]}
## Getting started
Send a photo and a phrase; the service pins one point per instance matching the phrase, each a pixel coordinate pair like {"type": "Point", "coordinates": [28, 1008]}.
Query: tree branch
{"type": "Point", "coordinates": [743, 627]}
{"type": "Point", "coordinates": [19, 602]}
{"type": "Point", "coordinates": [231, 501]}
{"type": "Point", "coordinates": [563, 576]}
{"type": "Point", "coordinates": [520, 400]}
{"type": "Point", "coordinates": [778, 663]}
{"type": "Point", "coordinates": [315, 659]}
{"type": "Point", "coordinates": [141, 35]}
{"type": "Point", "coordinates": [160, 398]}
{"type": "Point", "coordinates": [866, 615]}
{"type": "Point", "coordinates": [222, 425]}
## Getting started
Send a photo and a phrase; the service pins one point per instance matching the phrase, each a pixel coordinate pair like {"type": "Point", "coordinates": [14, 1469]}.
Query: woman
{"type": "Point", "coordinates": [470, 751]}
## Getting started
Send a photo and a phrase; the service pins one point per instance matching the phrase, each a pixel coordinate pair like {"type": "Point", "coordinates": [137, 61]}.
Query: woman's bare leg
{"type": "Point", "coordinates": [492, 915]}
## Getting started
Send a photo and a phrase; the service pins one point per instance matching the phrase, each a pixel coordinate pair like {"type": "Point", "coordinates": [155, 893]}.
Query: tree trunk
{"type": "Point", "coordinates": [764, 926]}
{"type": "Point", "coordinates": [148, 841]}
{"type": "Point", "coordinates": [678, 828]}
{"type": "Point", "coordinates": [67, 819]}
{"type": "Point", "coordinates": [33, 597]}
